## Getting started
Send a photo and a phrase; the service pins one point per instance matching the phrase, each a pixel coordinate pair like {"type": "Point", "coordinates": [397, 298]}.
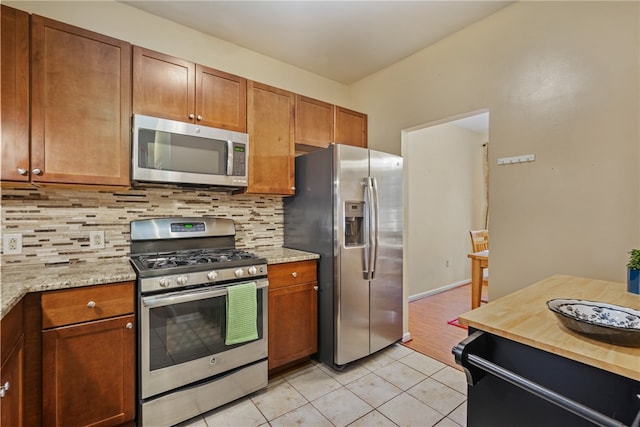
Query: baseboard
{"type": "Point", "coordinates": [437, 290]}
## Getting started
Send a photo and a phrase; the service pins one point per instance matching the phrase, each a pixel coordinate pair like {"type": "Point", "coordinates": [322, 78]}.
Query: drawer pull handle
{"type": "Point", "coordinates": [91, 304]}
{"type": "Point", "coordinates": [129, 325]}
{"type": "Point", "coordinates": [294, 274]}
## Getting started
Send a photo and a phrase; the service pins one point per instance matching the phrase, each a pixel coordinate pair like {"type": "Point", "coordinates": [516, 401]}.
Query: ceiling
{"type": "Point", "coordinates": [341, 40]}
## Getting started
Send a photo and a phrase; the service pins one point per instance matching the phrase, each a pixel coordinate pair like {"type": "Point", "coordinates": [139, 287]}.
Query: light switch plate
{"type": "Point", "coordinates": [12, 244]}
{"type": "Point", "coordinates": [96, 239]}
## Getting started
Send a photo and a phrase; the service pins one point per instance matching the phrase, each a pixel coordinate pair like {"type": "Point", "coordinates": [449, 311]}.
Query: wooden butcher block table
{"type": "Point", "coordinates": [516, 344]}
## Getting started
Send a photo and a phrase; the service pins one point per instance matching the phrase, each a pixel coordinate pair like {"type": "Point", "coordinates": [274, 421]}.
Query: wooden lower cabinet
{"type": "Point", "coordinates": [89, 373]}
{"type": "Point", "coordinates": [293, 313]}
{"type": "Point", "coordinates": [88, 355]}
{"type": "Point", "coordinates": [12, 368]}
{"type": "Point", "coordinates": [11, 403]}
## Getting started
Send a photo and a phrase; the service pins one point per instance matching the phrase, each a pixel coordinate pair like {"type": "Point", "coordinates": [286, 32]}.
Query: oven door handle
{"type": "Point", "coordinates": [192, 295]}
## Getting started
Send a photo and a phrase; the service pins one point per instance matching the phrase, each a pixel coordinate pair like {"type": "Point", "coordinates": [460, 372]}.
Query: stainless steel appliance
{"type": "Point", "coordinates": [348, 208]}
{"type": "Point", "coordinates": [185, 268]}
{"type": "Point", "coordinates": [168, 151]}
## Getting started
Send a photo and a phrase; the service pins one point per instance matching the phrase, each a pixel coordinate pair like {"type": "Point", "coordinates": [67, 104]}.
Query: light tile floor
{"type": "Point", "coordinates": [394, 387]}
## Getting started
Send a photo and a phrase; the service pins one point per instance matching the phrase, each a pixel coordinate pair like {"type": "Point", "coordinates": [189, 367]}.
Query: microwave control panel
{"type": "Point", "coordinates": [239, 159]}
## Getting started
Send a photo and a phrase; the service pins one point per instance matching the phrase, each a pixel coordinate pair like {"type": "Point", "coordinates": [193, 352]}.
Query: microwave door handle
{"type": "Point", "coordinates": [229, 157]}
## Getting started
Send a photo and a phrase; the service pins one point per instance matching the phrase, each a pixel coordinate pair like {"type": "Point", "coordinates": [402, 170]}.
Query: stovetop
{"type": "Point", "coordinates": [170, 253]}
{"type": "Point", "coordinates": [179, 262]}
{"type": "Point", "coordinates": [194, 258]}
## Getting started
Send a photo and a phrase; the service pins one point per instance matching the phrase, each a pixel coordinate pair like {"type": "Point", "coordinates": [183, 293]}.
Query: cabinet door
{"type": "Point", "coordinates": [293, 323]}
{"type": "Point", "coordinates": [81, 97]}
{"type": "Point", "coordinates": [163, 86]}
{"type": "Point", "coordinates": [11, 403]}
{"type": "Point", "coordinates": [351, 127]}
{"type": "Point", "coordinates": [314, 122]}
{"type": "Point", "coordinates": [88, 373]}
{"type": "Point", "coordinates": [221, 99]}
{"type": "Point", "coordinates": [270, 113]}
{"type": "Point", "coordinates": [14, 109]}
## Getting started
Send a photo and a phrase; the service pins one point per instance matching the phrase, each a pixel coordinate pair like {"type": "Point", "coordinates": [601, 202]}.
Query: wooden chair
{"type": "Point", "coordinates": [480, 242]}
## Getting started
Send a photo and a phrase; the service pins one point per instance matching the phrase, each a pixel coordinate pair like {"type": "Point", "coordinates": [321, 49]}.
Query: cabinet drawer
{"type": "Point", "coordinates": [291, 273]}
{"type": "Point", "coordinates": [68, 306]}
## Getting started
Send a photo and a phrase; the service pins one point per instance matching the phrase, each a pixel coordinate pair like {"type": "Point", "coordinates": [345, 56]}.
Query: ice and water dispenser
{"type": "Point", "coordinates": [353, 223]}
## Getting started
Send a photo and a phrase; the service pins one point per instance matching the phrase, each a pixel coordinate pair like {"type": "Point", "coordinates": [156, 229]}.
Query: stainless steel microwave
{"type": "Point", "coordinates": [172, 152]}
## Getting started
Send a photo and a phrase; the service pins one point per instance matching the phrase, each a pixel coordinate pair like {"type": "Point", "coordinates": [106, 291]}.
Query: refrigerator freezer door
{"type": "Point", "coordinates": [351, 290]}
{"type": "Point", "coordinates": [386, 287]}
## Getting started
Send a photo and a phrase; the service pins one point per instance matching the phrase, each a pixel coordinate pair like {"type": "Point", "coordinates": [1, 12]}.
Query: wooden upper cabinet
{"type": "Point", "coordinates": [163, 86]}
{"type": "Point", "coordinates": [350, 127]}
{"type": "Point", "coordinates": [221, 99]}
{"type": "Point", "coordinates": [172, 88]}
{"type": "Point", "coordinates": [14, 108]}
{"type": "Point", "coordinates": [270, 123]}
{"type": "Point", "coordinates": [80, 105]}
{"type": "Point", "coordinates": [314, 122]}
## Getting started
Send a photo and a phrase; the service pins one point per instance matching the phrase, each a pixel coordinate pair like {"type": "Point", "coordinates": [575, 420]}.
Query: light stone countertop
{"type": "Point", "coordinates": [16, 281]}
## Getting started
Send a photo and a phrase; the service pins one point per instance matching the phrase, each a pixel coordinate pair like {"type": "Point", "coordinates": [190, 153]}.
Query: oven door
{"type": "Point", "coordinates": [182, 338]}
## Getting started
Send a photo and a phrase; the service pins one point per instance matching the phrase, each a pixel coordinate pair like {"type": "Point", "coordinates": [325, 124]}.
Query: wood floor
{"type": "Point", "coordinates": [430, 333]}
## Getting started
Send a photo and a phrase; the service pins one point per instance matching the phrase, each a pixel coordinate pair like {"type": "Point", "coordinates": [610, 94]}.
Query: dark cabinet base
{"type": "Point", "coordinates": [494, 401]}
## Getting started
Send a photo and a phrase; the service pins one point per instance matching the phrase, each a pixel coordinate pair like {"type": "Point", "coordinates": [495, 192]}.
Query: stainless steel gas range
{"type": "Point", "coordinates": [186, 268]}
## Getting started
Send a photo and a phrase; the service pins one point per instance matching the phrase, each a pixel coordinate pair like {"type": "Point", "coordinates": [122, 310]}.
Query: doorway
{"type": "Point", "coordinates": [446, 194]}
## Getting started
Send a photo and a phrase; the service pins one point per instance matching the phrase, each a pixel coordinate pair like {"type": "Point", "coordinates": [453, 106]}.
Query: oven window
{"type": "Point", "coordinates": [181, 153]}
{"type": "Point", "coordinates": [188, 331]}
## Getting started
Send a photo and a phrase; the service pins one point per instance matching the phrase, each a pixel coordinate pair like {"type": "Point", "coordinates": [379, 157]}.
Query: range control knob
{"type": "Point", "coordinates": [164, 282]}
{"type": "Point", "coordinates": [253, 270]}
{"type": "Point", "coordinates": [182, 280]}
{"type": "Point", "coordinates": [239, 272]}
{"type": "Point", "coordinates": [212, 275]}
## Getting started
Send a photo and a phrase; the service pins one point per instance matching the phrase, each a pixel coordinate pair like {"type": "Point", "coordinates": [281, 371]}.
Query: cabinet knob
{"type": "Point", "coordinates": [36, 171]}
{"type": "Point", "coordinates": [315, 288]}
{"type": "Point", "coordinates": [91, 304]}
{"type": "Point", "coordinates": [129, 325]}
{"type": "Point", "coordinates": [191, 116]}
{"type": "Point", "coordinates": [294, 274]}
{"type": "Point", "coordinates": [22, 171]}
{"type": "Point", "coordinates": [3, 389]}
{"type": "Point", "coordinates": [199, 116]}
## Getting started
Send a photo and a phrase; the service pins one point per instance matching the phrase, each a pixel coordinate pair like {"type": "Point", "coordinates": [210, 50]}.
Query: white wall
{"type": "Point", "coordinates": [445, 188]}
{"type": "Point", "coordinates": [561, 81]}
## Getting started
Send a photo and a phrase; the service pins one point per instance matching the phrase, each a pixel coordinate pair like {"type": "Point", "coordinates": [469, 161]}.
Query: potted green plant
{"type": "Point", "coordinates": [633, 271]}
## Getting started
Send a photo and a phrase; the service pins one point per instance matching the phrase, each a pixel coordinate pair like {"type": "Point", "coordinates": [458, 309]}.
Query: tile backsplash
{"type": "Point", "coordinates": [55, 223]}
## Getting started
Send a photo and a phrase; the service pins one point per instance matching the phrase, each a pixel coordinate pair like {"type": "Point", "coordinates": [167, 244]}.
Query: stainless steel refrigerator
{"type": "Point", "coordinates": [348, 208]}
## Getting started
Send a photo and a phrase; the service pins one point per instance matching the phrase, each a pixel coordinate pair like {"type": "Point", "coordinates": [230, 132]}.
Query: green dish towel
{"type": "Point", "coordinates": [242, 313]}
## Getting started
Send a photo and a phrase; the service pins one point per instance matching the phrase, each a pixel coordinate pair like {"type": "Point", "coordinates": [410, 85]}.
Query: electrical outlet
{"type": "Point", "coordinates": [12, 244]}
{"type": "Point", "coordinates": [96, 239]}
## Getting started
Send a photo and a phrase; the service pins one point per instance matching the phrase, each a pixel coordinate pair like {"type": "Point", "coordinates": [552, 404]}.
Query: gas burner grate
{"type": "Point", "coordinates": [195, 257]}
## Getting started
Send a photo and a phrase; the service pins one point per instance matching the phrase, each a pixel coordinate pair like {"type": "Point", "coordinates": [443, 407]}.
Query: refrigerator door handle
{"type": "Point", "coordinates": [376, 227]}
{"type": "Point", "coordinates": [368, 250]}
